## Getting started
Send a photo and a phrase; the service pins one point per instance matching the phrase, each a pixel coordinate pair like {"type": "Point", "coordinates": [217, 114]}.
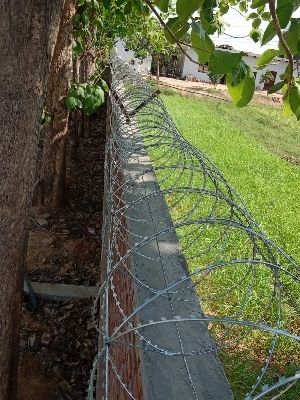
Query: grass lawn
{"type": "Point", "coordinates": [248, 146]}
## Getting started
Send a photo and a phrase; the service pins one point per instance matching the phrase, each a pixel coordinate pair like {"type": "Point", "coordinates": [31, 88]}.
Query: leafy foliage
{"type": "Point", "coordinates": [266, 57]}
{"type": "Point", "coordinates": [294, 99]}
{"type": "Point", "coordinates": [277, 87]}
{"type": "Point", "coordinates": [177, 27]}
{"type": "Point", "coordinates": [202, 43]}
{"type": "Point", "coordinates": [203, 18]}
{"type": "Point", "coordinates": [222, 62]}
{"type": "Point", "coordinates": [98, 23]}
{"type": "Point", "coordinates": [215, 78]}
{"type": "Point", "coordinates": [266, 77]}
{"type": "Point", "coordinates": [242, 90]}
{"type": "Point", "coordinates": [85, 96]}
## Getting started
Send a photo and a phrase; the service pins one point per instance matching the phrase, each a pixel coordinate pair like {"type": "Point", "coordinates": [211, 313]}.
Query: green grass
{"type": "Point", "coordinates": [247, 145]}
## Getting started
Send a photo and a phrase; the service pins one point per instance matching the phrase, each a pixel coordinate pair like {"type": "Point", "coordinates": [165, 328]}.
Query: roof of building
{"type": "Point", "coordinates": [249, 54]}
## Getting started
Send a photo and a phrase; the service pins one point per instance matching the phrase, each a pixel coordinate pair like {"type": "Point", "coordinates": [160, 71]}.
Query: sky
{"type": "Point", "coordinates": [239, 26]}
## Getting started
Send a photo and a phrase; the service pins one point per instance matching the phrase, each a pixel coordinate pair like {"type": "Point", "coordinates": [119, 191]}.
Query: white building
{"type": "Point", "coordinates": [142, 66]}
{"type": "Point", "coordinates": [277, 67]}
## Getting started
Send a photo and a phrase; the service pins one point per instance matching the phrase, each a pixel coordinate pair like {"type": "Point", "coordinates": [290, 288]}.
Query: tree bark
{"type": "Point", "coordinates": [27, 33]}
{"type": "Point", "coordinates": [74, 118]}
{"type": "Point", "coordinates": [55, 140]}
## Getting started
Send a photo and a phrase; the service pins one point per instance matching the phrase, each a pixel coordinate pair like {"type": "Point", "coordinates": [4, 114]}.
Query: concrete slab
{"type": "Point", "coordinates": [60, 290]}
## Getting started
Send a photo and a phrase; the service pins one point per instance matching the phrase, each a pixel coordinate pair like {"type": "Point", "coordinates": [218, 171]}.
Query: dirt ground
{"type": "Point", "coordinates": [58, 340]}
{"type": "Point", "coordinates": [220, 91]}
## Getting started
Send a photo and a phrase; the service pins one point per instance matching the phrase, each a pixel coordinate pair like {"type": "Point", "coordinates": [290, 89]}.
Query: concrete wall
{"type": "Point", "coordinates": [144, 362]}
{"type": "Point", "coordinates": [278, 66]}
{"type": "Point", "coordinates": [142, 66]}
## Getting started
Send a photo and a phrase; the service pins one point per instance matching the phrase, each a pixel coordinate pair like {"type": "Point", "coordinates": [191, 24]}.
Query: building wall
{"type": "Point", "coordinates": [139, 65]}
{"type": "Point", "coordinates": [278, 66]}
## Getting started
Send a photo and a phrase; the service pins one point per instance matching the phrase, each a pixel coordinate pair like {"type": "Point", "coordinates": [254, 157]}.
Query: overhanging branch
{"type": "Point", "coordinates": [272, 7]}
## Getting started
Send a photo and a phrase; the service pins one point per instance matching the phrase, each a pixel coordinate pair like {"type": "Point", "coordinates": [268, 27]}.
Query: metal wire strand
{"type": "Point", "coordinates": [237, 283]}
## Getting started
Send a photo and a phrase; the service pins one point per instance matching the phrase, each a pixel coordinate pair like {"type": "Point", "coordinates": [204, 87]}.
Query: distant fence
{"type": "Point", "coordinates": [191, 289]}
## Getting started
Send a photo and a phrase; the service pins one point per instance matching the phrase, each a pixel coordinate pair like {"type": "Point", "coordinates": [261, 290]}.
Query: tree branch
{"type": "Point", "coordinates": [238, 11]}
{"type": "Point", "coordinates": [164, 25]}
{"type": "Point", "coordinates": [272, 7]}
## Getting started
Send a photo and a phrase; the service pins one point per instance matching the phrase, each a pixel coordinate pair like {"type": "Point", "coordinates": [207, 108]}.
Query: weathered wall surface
{"type": "Point", "coordinates": [278, 66]}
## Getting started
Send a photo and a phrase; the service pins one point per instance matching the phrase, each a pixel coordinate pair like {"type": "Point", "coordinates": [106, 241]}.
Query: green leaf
{"type": "Point", "coordinates": [208, 10]}
{"type": "Point", "coordinates": [243, 92]}
{"type": "Point", "coordinates": [292, 37]}
{"type": "Point", "coordinates": [239, 72]}
{"type": "Point", "coordinates": [201, 42]}
{"type": "Point", "coordinates": [104, 85]}
{"type": "Point", "coordinates": [224, 7]}
{"type": "Point", "coordinates": [178, 28]}
{"type": "Point", "coordinates": [252, 16]}
{"type": "Point", "coordinates": [266, 16]}
{"type": "Point", "coordinates": [80, 90]}
{"type": "Point", "coordinates": [185, 8]}
{"type": "Point", "coordinates": [266, 57]}
{"type": "Point", "coordinates": [258, 3]}
{"type": "Point", "coordinates": [128, 8]}
{"type": "Point", "coordinates": [77, 48]}
{"type": "Point", "coordinates": [99, 23]}
{"type": "Point", "coordinates": [269, 33]}
{"type": "Point", "coordinates": [276, 87]}
{"type": "Point", "coordinates": [284, 13]}
{"type": "Point", "coordinates": [163, 5]}
{"type": "Point", "coordinates": [138, 5]}
{"type": "Point", "coordinates": [287, 108]}
{"type": "Point", "coordinates": [222, 62]}
{"type": "Point", "coordinates": [210, 28]}
{"type": "Point", "coordinates": [99, 95]}
{"type": "Point", "coordinates": [72, 102]}
{"type": "Point", "coordinates": [85, 19]}
{"type": "Point", "coordinates": [89, 104]}
{"type": "Point", "coordinates": [76, 19]}
{"type": "Point", "coordinates": [255, 35]}
{"type": "Point", "coordinates": [96, 5]}
{"type": "Point", "coordinates": [243, 6]}
{"type": "Point", "coordinates": [256, 23]}
{"type": "Point", "coordinates": [294, 99]}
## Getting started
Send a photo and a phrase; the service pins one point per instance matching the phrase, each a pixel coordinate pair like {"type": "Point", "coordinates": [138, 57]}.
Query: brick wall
{"type": "Point", "coordinates": [125, 355]}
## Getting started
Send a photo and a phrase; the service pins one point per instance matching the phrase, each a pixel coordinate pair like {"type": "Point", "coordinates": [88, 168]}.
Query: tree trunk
{"type": "Point", "coordinates": [157, 72]}
{"type": "Point", "coordinates": [74, 118]}
{"type": "Point", "coordinates": [55, 140]}
{"type": "Point", "coordinates": [27, 32]}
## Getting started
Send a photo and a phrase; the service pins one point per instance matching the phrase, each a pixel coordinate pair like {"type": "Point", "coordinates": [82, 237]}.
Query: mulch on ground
{"type": "Point", "coordinates": [58, 339]}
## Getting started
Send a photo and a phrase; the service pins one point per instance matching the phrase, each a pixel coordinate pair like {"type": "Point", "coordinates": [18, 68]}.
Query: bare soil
{"type": "Point", "coordinates": [220, 91]}
{"type": "Point", "coordinates": [58, 339]}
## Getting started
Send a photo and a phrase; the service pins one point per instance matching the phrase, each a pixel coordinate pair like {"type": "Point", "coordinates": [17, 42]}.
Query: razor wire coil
{"type": "Point", "coordinates": [247, 287]}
